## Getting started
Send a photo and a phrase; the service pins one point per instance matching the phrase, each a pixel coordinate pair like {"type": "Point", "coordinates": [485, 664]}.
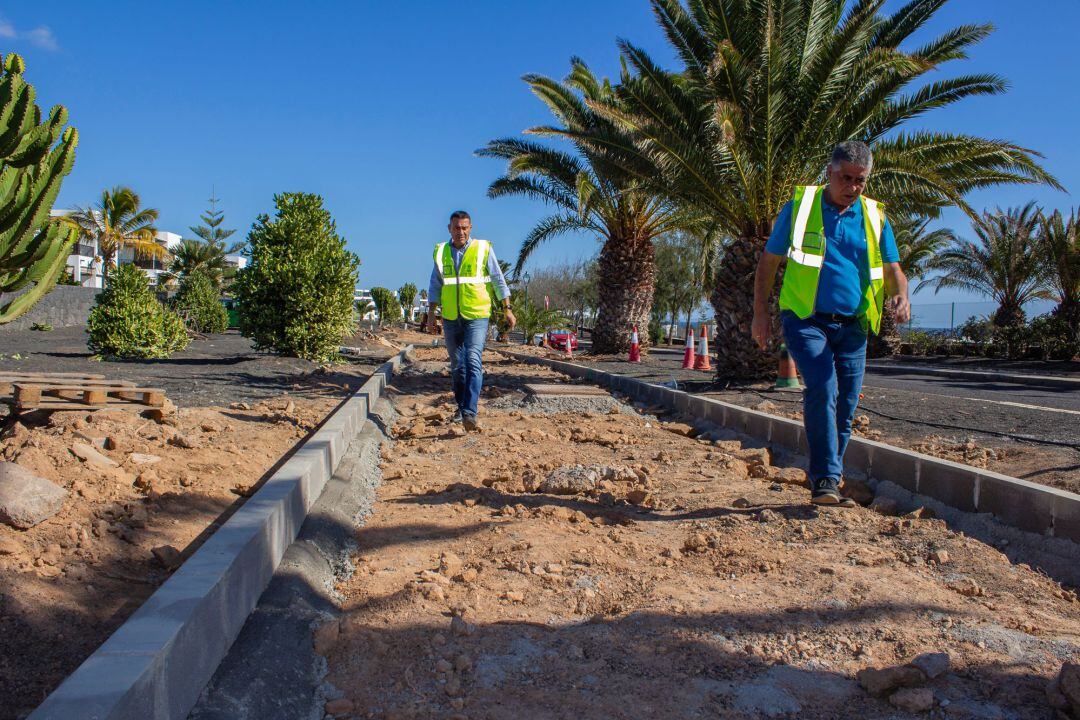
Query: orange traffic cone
{"type": "Point", "coordinates": [701, 360]}
{"type": "Point", "coordinates": [688, 353]}
{"type": "Point", "coordinates": [787, 378]}
{"type": "Point", "coordinates": [569, 350]}
{"type": "Point", "coordinates": [635, 348]}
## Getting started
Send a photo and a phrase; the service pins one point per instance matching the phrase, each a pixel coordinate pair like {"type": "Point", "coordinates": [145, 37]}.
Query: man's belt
{"type": "Point", "coordinates": [836, 318]}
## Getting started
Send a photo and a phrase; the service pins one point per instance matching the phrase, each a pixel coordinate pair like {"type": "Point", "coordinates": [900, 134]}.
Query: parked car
{"type": "Point", "coordinates": [558, 338]}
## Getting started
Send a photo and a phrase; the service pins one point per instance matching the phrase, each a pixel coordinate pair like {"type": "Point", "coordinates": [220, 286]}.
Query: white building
{"type": "Point", "coordinates": [364, 304]}
{"type": "Point", "coordinates": [85, 261]}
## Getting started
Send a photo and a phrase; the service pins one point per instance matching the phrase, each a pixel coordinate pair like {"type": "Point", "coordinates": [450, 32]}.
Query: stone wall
{"type": "Point", "coordinates": [63, 306]}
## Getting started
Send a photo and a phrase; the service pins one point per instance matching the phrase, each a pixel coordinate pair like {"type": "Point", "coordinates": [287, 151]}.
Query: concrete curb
{"type": "Point", "coordinates": [1055, 381]}
{"type": "Point", "coordinates": [1018, 503]}
{"type": "Point", "coordinates": [155, 665]}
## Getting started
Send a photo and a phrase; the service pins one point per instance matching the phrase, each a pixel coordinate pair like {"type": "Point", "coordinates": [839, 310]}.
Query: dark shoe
{"type": "Point", "coordinates": [826, 491]}
{"type": "Point", "coordinates": [456, 418]}
{"type": "Point", "coordinates": [469, 421]}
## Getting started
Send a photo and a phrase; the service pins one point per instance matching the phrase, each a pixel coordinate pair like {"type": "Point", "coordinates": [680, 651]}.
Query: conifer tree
{"type": "Point", "coordinates": [211, 231]}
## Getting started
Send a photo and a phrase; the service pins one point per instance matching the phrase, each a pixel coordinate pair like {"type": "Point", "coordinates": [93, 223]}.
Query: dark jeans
{"type": "Point", "coordinates": [465, 343]}
{"type": "Point", "coordinates": [831, 357]}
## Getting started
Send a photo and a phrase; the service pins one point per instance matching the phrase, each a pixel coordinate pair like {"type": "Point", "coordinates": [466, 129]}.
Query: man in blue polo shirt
{"type": "Point", "coordinates": [842, 261]}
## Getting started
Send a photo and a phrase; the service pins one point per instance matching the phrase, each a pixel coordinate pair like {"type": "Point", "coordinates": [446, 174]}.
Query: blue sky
{"type": "Point", "coordinates": [378, 106]}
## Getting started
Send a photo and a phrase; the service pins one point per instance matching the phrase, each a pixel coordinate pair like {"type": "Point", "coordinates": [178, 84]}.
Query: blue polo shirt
{"type": "Point", "coordinates": [845, 270]}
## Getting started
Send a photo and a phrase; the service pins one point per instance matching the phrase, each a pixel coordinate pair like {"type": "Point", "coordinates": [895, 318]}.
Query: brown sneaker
{"type": "Point", "coordinates": [470, 423]}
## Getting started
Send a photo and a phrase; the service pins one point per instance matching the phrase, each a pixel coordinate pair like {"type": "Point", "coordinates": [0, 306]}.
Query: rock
{"type": "Point", "coordinates": [570, 480]}
{"type": "Point", "coordinates": [967, 587]}
{"type": "Point", "coordinates": [341, 706]}
{"type": "Point", "coordinates": [143, 459]}
{"type": "Point", "coordinates": [933, 665]}
{"type": "Point", "coordinates": [913, 700]}
{"type": "Point", "coordinates": [754, 456]}
{"type": "Point", "coordinates": [741, 503]}
{"type": "Point", "coordinates": [514, 596]}
{"type": "Point", "coordinates": [326, 637]}
{"type": "Point", "coordinates": [920, 513]}
{"type": "Point", "coordinates": [442, 665]}
{"type": "Point", "coordinates": [450, 565]}
{"type": "Point", "coordinates": [638, 496]}
{"type": "Point", "coordinates": [25, 498]}
{"type": "Point", "coordinates": [857, 490]}
{"type": "Point", "coordinates": [10, 546]}
{"type": "Point", "coordinates": [758, 471]}
{"type": "Point", "coordinates": [698, 542]}
{"type": "Point", "coordinates": [113, 443]}
{"type": "Point", "coordinates": [239, 406]}
{"type": "Point", "coordinates": [940, 556]}
{"type": "Point", "coordinates": [91, 438]}
{"type": "Point", "coordinates": [181, 441]}
{"type": "Point", "coordinates": [1069, 685]}
{"type": "Point", "coordinates": [460, 627]}
{"type": "Point", "coordinates": [166, 414]}
{"type": "Point", "coordinates": [884, 505]}
{"type": "Point", "coordinates": [167, 556]}
{"type": "Point", "coordinates": [790, 476]}
{"type": "Point", "coordinates": [881, 681]}
{"type": "Point", "coordinates": [463, 663]}
{"type": "Point", "coordinates": [91, 456]}
{"type": "Point", "coordinates": [468, 575]}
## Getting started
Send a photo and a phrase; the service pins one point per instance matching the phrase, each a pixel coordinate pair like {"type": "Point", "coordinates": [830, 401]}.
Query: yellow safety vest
{"type": "Point", "coordinates": [465, 288]}
{"type": "Point", "coordinates": [806, 253]}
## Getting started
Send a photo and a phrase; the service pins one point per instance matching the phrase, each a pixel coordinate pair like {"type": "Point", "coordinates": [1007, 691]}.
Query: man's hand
{"type": "Point", "coordinates": [510, 317]}
{"type": "Point", "coordinates": [760, 329]}
{"type": "Point", "coordinates": [901, 308]}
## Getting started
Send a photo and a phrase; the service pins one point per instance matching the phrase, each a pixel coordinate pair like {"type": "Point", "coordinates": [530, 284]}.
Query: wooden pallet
{"type": "Point", "coordinates": [63, 395]}
{"type": "Point", "coordinates": [73, 391]}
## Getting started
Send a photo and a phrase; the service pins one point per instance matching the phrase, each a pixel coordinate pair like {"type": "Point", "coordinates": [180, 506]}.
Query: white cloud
{"type": "Point", "coordinates": [43, 38]}
{"type": "Point", "coordinates": [40, 37]}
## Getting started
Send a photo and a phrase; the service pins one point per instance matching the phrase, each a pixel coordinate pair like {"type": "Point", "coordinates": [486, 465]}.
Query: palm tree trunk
{"type": "Point", "coordinates": [887, 342]}
{"type": "Point", "coordinates": [627, 273]}
{"type": "Point", "coordinates": [737, 357]}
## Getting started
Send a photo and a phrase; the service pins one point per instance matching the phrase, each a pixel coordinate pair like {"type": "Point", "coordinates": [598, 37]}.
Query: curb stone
{"type": "Point", "coordinates": [1018, 503]}
{"type": "Point", "coordinates": [155, 665]}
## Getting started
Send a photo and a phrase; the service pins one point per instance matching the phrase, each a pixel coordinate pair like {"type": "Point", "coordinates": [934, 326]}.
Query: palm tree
{"type": "Point", "coordinates": [766, 90]}
{"type": "Point", "coordinates": [118, 221]}
{"type": "Point", "coordinates": [197, 256]}
{"type": "Point", "coordinates": [1002, 263]}
{"type": "Point", "coordinates": [590, 195]}
{"type": "Point", "coordinates": [1059, 244]}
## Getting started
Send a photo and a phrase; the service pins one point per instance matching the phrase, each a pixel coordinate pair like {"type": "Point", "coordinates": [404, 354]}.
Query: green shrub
{"type": "Point", "coordinates": [296, 295]}
{"type": "Point", "coordinates": [129, 322]}
{"type": "Point", "coordinates": [976, 329]}
{"type": "Point", "coordinates": [198, 302]}
{"type": "Point", "coordinates": [43, 327]}
{"type": "Point", "coordinates": [1054, 335]}
{"type": "Point", "coordinates": [386, 304]}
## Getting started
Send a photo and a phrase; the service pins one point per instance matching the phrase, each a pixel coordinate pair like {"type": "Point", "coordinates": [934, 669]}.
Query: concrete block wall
{"type": "Point", "coordinates": [1018, 503]}
{"type": "Point", "coordinates": [155, 665]}
{"type": "Point", "coordinates": [63, 306]}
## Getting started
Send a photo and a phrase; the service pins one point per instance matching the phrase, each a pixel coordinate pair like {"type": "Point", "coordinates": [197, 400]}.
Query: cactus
{"type": "Point", "coordinates": [34, 158]}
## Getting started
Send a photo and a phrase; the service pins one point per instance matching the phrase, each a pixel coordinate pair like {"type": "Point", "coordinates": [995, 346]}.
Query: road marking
{"type": "Point", "coordinates": [1025, 405]}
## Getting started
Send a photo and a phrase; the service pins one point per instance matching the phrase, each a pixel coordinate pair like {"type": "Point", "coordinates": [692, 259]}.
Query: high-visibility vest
{"type": "Point", "coordinates": [465, 288]}
{"type": "Point", "coordinates": [806, 253]}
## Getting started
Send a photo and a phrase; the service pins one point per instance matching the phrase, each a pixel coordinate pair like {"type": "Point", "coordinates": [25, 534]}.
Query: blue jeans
{"type": "Point", "coordinates": [831, 356]}
{"type": "Point", "coordinates": [465, 343]}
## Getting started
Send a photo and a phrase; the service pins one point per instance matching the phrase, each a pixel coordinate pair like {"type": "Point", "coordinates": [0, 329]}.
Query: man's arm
{"type": "Point", "coordinates": [896, 285]}
{"type": "Point", "coordinates": [499, 283]}
{"type": "Point", "coordinates": [764, 280]}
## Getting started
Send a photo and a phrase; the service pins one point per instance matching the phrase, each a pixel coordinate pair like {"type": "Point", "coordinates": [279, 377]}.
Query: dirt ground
{"type": "Point", "coordinates": [609, 564]}
{"type": "Point", "coordinates": [913, 420]}
{"type": "Point", "coordinates": [160, 491]}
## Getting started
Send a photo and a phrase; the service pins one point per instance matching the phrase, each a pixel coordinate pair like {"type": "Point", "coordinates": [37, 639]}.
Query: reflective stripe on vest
{"type": "Point", "coordinates": [464, 290]}
{"type": "Point", "coordinates": [806, 253]}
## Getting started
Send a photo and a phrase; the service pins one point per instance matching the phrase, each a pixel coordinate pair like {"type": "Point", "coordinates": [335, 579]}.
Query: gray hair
{"type": "Point", "coordinates": [854, 152]}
